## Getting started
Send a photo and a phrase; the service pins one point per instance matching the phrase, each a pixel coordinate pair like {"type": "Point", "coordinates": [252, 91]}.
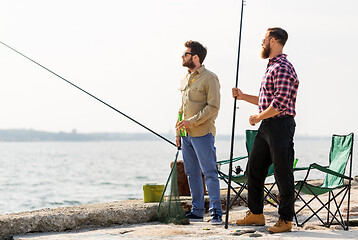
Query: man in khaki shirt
{"type": "Point", "coordinates": [200, 90]}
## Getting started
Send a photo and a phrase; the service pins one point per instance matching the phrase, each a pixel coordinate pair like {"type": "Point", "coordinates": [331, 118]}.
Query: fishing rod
{"type": "Point", "coordinates": [150, 130]}
{"type": "Point", "coordinates": [233, 122]}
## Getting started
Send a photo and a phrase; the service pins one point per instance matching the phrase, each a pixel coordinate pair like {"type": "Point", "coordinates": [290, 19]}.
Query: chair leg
{"type": "Point", "coordinates": [268, 193]}
{"type": "Point", "coordinates": [238, 193]}
{"type": "Point", "coordinates": [338, 206]}
{"type": "Point", "coordinates": [295, 213]}
{"type": "Point", "coordinates": [314, 213]}
{"type": "Point", "coordinates": [334, 197]}
{"type": "Point", "coordinates": [324, 205]}
{"type": "Point", "coordinates": [306, 204]}
{"type": "Point", "coordinates": [349, 199]}
{"type": "Point", "coordinates": [329, 205]}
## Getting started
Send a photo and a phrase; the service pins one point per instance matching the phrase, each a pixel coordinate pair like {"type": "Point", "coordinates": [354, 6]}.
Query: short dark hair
{"type": "Point", "coordinates": [197, 48]}
{"type": "Point", "coordinates": [279, 34]}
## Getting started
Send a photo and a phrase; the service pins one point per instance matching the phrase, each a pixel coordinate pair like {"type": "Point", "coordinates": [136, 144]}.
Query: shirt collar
{"type": "Point", "coordinates": [199, 70]}
{"type": "Point", "coordinates": [277, 58]}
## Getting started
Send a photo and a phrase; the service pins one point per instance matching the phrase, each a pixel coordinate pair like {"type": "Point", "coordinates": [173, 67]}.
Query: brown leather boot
{"type": "Point", "coordinates": [281, 226]}
{"type": "Point", "coordinates": [252, 220]}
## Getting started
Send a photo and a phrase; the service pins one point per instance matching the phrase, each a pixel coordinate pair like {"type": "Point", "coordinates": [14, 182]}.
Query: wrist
{"type": "Point", "coordinates": [260, 117]}
{"type": "Point", "coordinates": [191, 121]}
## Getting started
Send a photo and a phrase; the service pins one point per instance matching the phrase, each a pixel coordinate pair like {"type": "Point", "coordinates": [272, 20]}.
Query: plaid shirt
{"type": "Point", "coordinates": [279, 87]}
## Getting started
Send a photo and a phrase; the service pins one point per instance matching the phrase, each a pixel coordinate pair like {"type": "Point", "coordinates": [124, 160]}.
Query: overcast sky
{"type": "Point", "coordinates": [128, 53]}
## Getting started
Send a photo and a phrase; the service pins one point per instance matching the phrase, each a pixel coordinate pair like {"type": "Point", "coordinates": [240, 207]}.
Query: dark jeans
{"type": "Point", "coordinates": [273, 144]}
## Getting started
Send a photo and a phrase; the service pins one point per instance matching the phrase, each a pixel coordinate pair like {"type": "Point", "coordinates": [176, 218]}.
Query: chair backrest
{"type": "Point", "coordinates": [250, 138]}
{"type": "Point", "coordinates": [340, 153]}
{"type": "Point", "coordinates": [270, 171]}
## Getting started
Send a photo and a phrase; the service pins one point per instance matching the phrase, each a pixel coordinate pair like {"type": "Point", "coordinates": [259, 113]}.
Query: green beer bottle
{"type": "Point", "coordinates": [182, 131]}
{"type": "Point", "coordinates": [295, 162]}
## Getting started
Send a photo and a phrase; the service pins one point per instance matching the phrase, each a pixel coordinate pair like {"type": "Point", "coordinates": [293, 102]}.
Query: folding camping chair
{"type": "Point", "coordinates": [241, 179]}
{"type": "Point", "coordinates": [340, 153]}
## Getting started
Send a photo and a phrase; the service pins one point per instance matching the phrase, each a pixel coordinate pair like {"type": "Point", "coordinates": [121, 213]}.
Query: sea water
{"type": "Point", "coordinates": [36, 175]}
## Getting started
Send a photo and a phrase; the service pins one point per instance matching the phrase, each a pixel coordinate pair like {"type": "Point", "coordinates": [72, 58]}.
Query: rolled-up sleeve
{"type": "Point", "coordinates": [283, 85]}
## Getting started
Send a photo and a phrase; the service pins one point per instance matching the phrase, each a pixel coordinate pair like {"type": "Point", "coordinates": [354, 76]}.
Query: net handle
{"type": "Point", "coordinates": [170, 174]}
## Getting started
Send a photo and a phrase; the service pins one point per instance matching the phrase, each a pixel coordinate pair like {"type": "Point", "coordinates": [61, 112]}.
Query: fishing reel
{"type": "Point", "coordinates": [238, 169]}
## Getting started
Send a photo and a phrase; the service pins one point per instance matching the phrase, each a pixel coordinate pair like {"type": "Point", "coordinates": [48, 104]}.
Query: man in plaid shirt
{"type": "Point", "coordinates": [274, 140]}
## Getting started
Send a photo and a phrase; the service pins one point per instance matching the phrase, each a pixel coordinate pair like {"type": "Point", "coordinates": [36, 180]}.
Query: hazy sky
{"type": "Point", "coordinates": [128, 53]}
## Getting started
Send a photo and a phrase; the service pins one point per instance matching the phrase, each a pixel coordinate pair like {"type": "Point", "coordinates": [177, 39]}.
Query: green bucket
{"type": "Point", "coordinates": [152, 192]}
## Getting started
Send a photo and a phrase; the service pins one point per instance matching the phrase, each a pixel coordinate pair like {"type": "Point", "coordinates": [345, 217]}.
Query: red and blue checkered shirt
{"type": "Point", "coordinates": [279, 87]}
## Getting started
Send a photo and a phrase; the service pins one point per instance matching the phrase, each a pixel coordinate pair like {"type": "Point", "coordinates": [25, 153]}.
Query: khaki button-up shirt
{"type": "Point", "coordinates": [200, 102]}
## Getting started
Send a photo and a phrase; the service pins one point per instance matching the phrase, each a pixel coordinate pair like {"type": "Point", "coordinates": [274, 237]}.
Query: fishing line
{"type": "Point", "coordinates": [150, 130]}
{"type": "Point", "coordinates": [233, 122]}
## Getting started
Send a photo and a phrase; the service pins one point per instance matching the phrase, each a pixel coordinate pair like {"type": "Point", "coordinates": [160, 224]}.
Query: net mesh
{"type": "Point", "coordinates": [170, 208]}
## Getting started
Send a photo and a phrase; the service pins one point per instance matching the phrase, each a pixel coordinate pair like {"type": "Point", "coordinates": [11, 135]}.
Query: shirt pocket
{"type": "Point", "coordinates": [197, 94]}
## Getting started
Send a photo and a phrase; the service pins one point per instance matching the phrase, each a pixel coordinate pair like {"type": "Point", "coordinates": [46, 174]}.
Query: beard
{"type": "Point", "coordinates": [265, 52]}
{"type": "Point", "coordinates": [189, 64]}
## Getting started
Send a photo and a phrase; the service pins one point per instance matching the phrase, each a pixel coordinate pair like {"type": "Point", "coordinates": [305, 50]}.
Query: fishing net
{"type": "Point", "coordinates": [170, 208]}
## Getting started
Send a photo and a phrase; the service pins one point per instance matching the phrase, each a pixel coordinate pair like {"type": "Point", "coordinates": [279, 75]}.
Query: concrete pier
{"type": "Point", "coordinates": [77, 217]}
{"type": "Point", "coordinates": [103, 215]}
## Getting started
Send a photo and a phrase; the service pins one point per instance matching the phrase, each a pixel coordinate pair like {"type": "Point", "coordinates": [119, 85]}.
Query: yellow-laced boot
{"type": "Point", "coordinates": [281, 226]}
{"type": "Point", "coordinates": [252, 220]}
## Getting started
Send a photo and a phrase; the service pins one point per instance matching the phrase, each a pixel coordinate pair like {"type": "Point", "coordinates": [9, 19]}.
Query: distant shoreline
{"type": "Point", "coordinates": [30, 135]}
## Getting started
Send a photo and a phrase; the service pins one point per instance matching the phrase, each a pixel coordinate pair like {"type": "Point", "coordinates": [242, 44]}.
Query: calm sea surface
{"type": "Point", "coordinates": [35, 175]}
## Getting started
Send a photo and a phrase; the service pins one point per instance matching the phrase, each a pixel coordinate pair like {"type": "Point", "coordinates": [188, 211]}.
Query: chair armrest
{"type": "Point", "coordinates": [300, 168]}
{"type": "Point", "coordinates": [326, 170]}
{"type": "Point", "coordinates": [222, 162]}
{"type": "Point", "coordinates": [304, 168]}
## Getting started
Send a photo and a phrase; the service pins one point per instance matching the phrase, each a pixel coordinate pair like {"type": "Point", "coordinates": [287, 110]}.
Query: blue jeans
{"type": "Point", "coordinates": [199, 155]}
